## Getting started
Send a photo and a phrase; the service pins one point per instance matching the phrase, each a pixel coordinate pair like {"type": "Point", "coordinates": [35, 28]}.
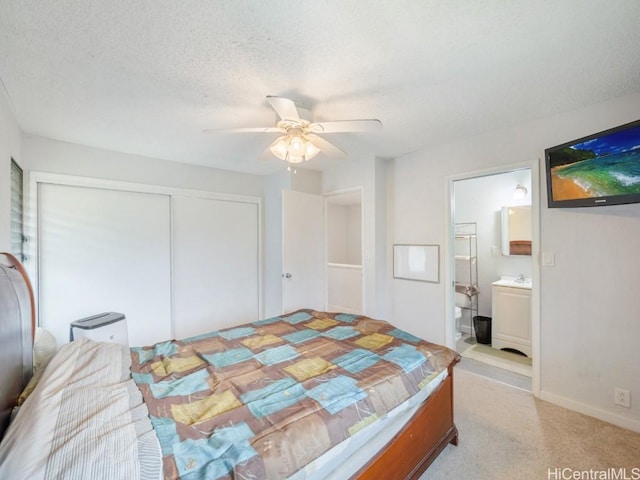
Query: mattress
{"type": "Point", "coordinates": [344, 460]}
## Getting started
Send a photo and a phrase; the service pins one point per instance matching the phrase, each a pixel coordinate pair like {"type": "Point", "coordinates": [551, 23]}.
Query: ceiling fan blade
{"type": "Point", "coordinates": [284, 107]}
{"type": "Point", "coordinates": [244, 130]}
{"type": "Point", "coordinates": [368, 125]}
{"type": "Point", "coordinates": [326, 147]}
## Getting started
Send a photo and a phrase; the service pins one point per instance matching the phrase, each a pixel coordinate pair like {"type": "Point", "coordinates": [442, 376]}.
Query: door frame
{"type": "Point", "coordinates": [327, 196]}
{"type": "Point", "coordinates": [449, 258]}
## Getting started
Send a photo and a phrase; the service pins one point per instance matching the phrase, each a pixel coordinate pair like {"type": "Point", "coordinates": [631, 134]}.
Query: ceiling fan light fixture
{"type": "Point", "coordinates": [310, 150]}
{"type": "Point", "coordinates": [280, 147]}
{"type": "Point", "coordinates": [293, 148]}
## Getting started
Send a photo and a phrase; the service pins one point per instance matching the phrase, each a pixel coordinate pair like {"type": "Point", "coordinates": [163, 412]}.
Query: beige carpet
{"type": "Point", "coordinates": [505, 433]}
{"type": "Point", "coordinates": [498, 358]}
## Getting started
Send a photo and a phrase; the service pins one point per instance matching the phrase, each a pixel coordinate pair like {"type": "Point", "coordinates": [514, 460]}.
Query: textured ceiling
{"type": "Point", "coordinates": [147, 76]}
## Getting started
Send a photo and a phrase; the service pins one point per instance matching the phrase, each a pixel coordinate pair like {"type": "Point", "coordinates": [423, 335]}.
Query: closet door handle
{"type": "Point", "coordinates": [286, 275]}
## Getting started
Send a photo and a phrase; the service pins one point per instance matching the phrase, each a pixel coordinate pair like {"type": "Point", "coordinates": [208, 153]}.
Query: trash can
{"type": "Point", "coordinates": [482, 326]}
{"type": "Point", "coordinates": [104, 327]}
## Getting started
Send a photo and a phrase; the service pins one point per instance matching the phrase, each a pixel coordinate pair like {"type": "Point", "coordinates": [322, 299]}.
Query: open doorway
{"type": "Point", "coordinates": [492, 272]}
{"type": "Point", "coordinates": [345, 289]}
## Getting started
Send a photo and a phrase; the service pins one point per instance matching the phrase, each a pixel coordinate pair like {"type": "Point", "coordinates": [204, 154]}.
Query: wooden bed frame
{"type": "Point", "coordinates": [17, 327]}
{"type": "Point", "coordinates": [406, 456]}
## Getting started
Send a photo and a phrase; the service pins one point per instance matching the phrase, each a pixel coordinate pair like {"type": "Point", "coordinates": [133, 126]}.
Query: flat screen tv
{"type": "Point", "coordinates": [601, 169]}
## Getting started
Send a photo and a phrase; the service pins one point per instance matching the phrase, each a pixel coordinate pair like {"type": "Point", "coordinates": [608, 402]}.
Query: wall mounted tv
{"type": "Point", "coordinates": [601, 169]}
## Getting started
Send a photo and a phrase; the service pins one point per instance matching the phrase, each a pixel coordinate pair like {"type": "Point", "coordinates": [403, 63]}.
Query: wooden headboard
{"type": "Point", "coordinates": [17, 327]}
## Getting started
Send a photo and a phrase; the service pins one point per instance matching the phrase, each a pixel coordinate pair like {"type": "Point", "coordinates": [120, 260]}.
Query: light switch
{"type": "Point", "coordinates": [548, 259]}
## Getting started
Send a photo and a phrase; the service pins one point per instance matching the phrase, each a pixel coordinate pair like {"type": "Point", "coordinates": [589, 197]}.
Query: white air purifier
{"type": "Point", "coordinates": [104, 327]}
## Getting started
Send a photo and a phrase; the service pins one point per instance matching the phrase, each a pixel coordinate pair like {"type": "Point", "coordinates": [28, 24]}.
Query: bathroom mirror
{"type": "Point", "coordinates": [516, 230]}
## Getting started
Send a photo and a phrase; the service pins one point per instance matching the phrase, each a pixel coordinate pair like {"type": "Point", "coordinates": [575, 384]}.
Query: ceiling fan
{"type": "Point", "coordinates": [300, 140]}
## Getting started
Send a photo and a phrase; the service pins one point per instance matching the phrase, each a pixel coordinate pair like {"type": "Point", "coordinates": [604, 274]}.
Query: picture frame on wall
{"type": "Point", "coordinates": [416, 262]}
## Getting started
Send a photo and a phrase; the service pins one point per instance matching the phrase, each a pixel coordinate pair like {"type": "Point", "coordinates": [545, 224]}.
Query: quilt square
{"type": "Point", "coordinates": [357, 360]}
{"type": "Point", "coordinates": [374, 341]}
{"type": "Point", "coordinates": [216, 456]}
{"type": "Point", "coordinates": [301, 336]}
{"type": "Point", "coordinates": [199, 411]}
{"type": "Point", "coordinates": [402, 335]}
{"type": "Point", "coordinates": [337, 394]}
{"type": "Point", "coordinates": [275, 355]}
{"type": "Point", "coordinates": [273, 398]}
{"type": "Point", "coordinates": [261, 341]}
{"type": "Point", "coordinates": [144, 354]}
{"type": "Point", "coordinates": [170, 365]}
{"type": "Point", "coordinates": [406, 357]}
{"type": "Point", "coordinates": [230, 357]}
{"type": "Point", "coordinates": [346, 317]}
{"type": "Point", "coordinates": [308, 368]}
{"type": "Point", "coordinates": [297, 317]}
{"type": "Point", "coordinates": [237, 333]}
{"type": "Point", "coordinates": [341, 333]}
{"type": "Point", "coordinates": [167, 433]}
{"type": "Point", "coordinates": [187, 385]}
{"type": "Point", "coordinates": [322, 323]}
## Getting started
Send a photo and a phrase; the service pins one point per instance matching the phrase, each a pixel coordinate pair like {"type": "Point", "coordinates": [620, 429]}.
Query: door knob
{"type": "Point", "coordinates": [287, 275]}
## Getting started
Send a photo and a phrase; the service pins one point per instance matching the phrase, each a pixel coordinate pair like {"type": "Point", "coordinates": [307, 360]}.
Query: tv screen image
{"type": "Point", "coordinates": [601, 169]}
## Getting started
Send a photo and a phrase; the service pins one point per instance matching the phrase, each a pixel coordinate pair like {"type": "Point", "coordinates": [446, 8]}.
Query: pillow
{"type": "Point", "coordinates": [44, 348]}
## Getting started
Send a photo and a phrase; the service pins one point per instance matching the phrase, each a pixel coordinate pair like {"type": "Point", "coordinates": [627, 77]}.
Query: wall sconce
{"type": "Point", "coordinates": [520, 192]}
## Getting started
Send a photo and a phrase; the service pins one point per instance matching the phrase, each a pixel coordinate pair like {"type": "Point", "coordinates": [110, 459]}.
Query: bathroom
{"type": "Point", "coordinates": [493, 269]}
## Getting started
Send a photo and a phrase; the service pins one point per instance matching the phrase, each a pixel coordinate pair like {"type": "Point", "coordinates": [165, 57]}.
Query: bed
{"type": "Point", "coordinates": [305, 395]}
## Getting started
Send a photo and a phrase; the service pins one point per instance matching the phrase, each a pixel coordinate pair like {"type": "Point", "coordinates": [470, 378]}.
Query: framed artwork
{"type": "Point", "coordinates": [417, 262]}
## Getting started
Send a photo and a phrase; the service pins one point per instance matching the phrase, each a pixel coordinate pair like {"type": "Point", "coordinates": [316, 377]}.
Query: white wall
{"type": "Point", "coordinates": [344, 230]}
{"type": "Point", "coordinates": [589, 320]}
{"type": "Point", "coordinates": [354, 234]}
{"type": "Point", "coordinates": [336, 233]}
{"type": "Point", "coordinates": [46, 155]}
{"type": "Point", "coordinates": [10, 146]}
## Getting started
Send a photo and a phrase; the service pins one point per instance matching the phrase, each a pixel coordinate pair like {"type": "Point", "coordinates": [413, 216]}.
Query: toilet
{"type": "Point", "coordinates": [458, 313]}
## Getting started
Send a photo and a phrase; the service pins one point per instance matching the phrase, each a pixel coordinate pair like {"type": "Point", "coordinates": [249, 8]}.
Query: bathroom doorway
{"type": "Point", "coordinates": [492, 271]}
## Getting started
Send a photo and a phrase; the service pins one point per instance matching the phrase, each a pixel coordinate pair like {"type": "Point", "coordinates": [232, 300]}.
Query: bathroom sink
{"type": "Point", "coordinates": [513, 282]}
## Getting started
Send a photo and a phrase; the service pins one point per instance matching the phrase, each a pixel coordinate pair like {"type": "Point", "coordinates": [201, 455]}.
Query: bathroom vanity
{"type": "Point", "coordinates": [511, 309]}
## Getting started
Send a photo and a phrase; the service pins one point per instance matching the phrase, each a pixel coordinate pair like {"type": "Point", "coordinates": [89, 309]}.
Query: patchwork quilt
{"type": "Point", "coordinates": [263, 399]}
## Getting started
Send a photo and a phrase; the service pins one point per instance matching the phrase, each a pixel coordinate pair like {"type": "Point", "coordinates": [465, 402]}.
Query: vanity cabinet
{"type": "Point", "coordinates": [511, 328]}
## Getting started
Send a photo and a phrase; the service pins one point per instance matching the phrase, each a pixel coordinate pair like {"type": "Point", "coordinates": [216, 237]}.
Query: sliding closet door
{"type": "Point", "coordinates": [216, 271]}
{"type": "Point", "coordinates": [104, 250]}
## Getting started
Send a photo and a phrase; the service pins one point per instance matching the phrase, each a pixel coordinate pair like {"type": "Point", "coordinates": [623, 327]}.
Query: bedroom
{"type": "Point", "coordinates": [584, 306]}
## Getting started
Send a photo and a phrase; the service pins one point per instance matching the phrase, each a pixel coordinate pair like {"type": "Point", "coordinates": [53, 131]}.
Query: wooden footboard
{"type": "Point", "coordinates": [417, 445]}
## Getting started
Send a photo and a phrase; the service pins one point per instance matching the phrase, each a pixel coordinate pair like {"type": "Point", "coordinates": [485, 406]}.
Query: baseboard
{"type": "Point", "coordinates": [600, 414]}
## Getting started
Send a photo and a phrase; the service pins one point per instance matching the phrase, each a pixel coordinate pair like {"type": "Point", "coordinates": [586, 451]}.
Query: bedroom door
{"type": "Point", "coordinates": [103, 250]}
{"type": "Point", "coordinates": [216, 264]}
{"type": "Point", "coordinates": [303, 252]}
